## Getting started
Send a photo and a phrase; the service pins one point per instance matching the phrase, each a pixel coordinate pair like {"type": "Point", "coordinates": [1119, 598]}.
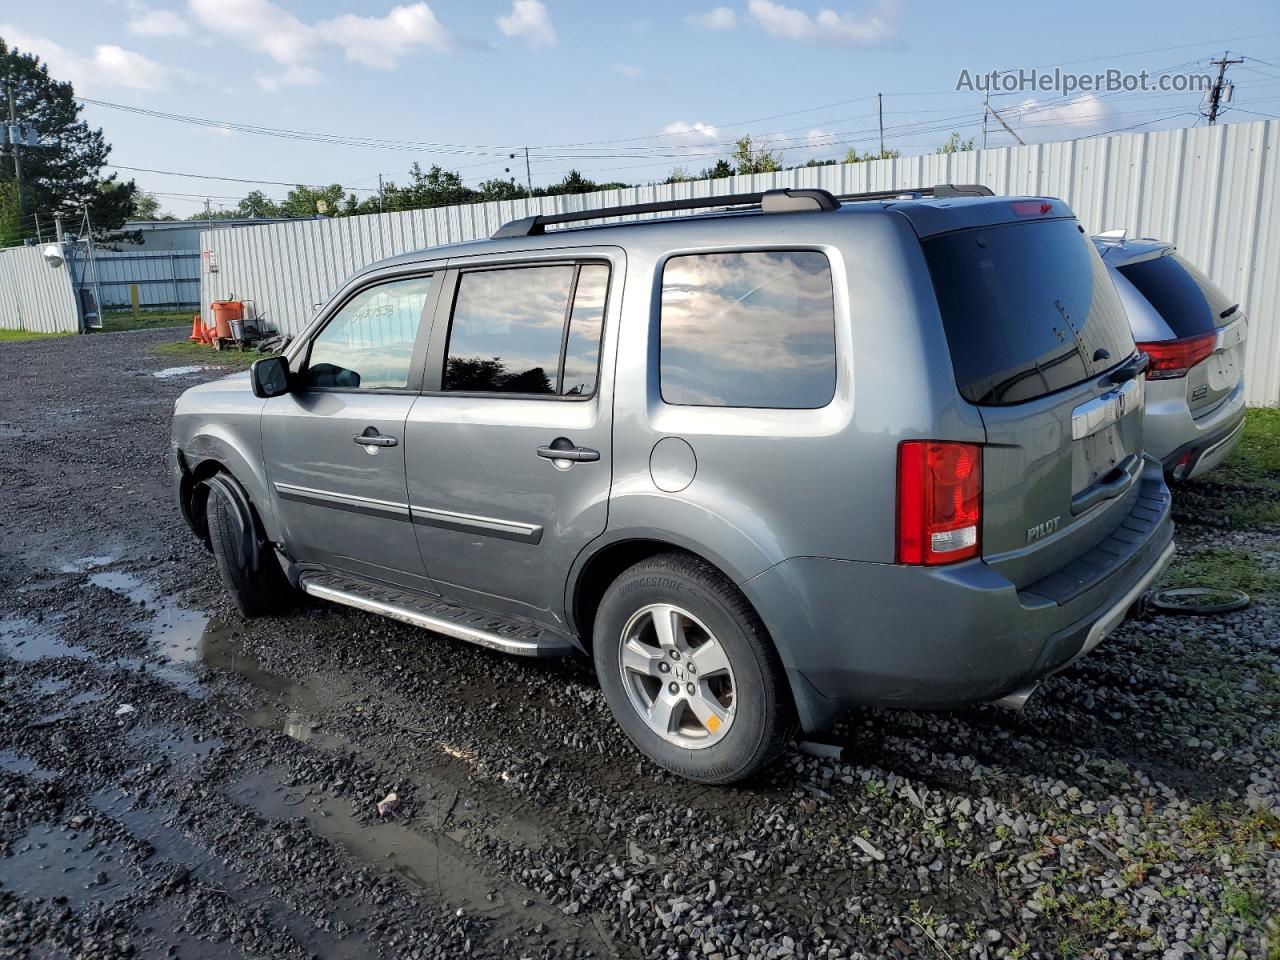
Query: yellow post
{"type": "Point", "coordinates": [133, 299]}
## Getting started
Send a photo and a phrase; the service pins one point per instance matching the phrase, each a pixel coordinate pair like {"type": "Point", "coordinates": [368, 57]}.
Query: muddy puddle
{"type": "Point", "coordinates": [184, 371]}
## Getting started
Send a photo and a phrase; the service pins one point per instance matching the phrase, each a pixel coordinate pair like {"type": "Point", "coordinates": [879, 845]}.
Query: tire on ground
{"type": "Point", "coordinates": [763, 713]}
{"type": "Point", "coordinates": [257, 588]}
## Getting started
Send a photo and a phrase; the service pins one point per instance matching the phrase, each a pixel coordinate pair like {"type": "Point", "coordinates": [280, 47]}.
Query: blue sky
{"type": "Point", "coordinates": [617, 90]}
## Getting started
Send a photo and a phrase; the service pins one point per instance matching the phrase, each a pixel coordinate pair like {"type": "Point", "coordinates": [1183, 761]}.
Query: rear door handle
{"type": "Point", "coordinates": [378, 440]}
{"type": "Point", "coordinates": [575, 454]}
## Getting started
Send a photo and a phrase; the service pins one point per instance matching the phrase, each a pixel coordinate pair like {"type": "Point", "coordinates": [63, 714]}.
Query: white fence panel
{"type": "Point", "coordinates": [35, 296]}
{"type": "Point", "coordinates": [1213, 191]}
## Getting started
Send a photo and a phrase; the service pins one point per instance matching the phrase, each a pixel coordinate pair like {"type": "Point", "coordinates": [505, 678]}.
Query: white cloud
{"type": "Point", "coordinates": [627, 70]}
{"type": "Point", "coordinates": [529, 19]}
{"type": "Point", "coordinates": [380, 41]}
{"type": "Point", "coordinates": [268, 28]}
{"type": "Point", "coordinates": [1034, 121]}
{"type": "Point", "coordinates": [692, 133]}
{"type": "Point", "coordinates": [828, 26]}
{"type": "Point", "coordinates": [819, 139]}
{"type": "Point", "coordinates": [718, 18]}
{"type": "Point", "coordinates": [157, 23]}
{"type": "Point", "coordinates": [107, 66]}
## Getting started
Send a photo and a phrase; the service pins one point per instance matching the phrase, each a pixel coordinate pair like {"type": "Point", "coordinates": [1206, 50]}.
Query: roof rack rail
{"type": "Point", "coordinates": [940, 191]}
{"type": "Point", "coordinates": [769, 201]}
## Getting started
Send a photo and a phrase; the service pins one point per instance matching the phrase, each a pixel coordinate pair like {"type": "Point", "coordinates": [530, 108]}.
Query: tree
{"type": "Point", "coordinates": [721, 168]}
{"type": "Point", "coordinates": [854, 157]}
{"type": "Point", "coordinates": [749, 158]}
{"type": "Point", "coordinates": [499, 189]}
{"type": "Point", "coordinates": [256, 205]}
{"type": "Point", "coordinates": [308, 201]}
{"type": "Point", "coordinates": [146, 206]}
{"type": "Point", "coordinates": [63, 176]}
{"type": "Point", "coordinates": [679, 175]}
{"type": "Point", "coordinates": [955, 145]}
{"type": "Point", "coordinates": [10, 216]}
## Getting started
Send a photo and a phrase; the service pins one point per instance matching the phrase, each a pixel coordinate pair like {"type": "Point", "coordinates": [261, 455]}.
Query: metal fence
{"type": "Point", "coordinates": [165, 278]}
{"type": "Point", "coordinates": [1214, 191]}
{"type": "Point", "coordinates": [35, 296]}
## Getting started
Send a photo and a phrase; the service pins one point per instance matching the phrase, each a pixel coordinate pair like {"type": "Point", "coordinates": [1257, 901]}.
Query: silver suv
{"type": "Point", "coordinates": [1195, 336]}
{"type": "Point", "coordinates": [760, 463]}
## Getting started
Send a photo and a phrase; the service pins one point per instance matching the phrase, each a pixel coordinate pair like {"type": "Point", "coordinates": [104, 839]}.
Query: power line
{"type": "Point", "coordinates": [210, 176]}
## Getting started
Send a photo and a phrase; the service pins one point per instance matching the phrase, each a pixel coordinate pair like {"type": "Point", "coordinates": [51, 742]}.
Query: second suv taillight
{"type": "Point", "coordinates": [1173, 358]}
{"type": "Point", "coordinates": [939, 501]}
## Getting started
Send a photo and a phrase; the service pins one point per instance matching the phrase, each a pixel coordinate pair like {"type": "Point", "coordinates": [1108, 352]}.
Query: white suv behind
{"type": "Point", "coordinates": [1195, 335]}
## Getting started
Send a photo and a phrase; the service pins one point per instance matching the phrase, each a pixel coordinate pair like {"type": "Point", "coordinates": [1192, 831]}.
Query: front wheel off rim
{"type": "Point", "coordinates": [677, 676]}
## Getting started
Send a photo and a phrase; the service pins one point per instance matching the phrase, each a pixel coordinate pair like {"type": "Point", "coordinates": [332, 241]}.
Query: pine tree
{"type": "Point", "coordinates": [63, 175]}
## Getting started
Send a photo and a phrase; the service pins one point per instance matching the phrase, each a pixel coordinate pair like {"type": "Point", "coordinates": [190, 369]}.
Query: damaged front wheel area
{"type": "Point", "coordinates": [246, 562]}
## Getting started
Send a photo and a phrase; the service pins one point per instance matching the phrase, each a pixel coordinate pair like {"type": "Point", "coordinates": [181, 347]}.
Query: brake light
{"type": "Point", "coordinates": [939, 501]}
{"type": "Point", "coordinates": [1031, 208]}
{"type": "Point", "coordinates": [1173, 358]}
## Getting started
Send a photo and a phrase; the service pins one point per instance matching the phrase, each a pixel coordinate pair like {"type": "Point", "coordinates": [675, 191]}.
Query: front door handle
{"type": "Point", "coordinates": [378, 440]}
{"type": "Point", "coordinates": [562, 448]}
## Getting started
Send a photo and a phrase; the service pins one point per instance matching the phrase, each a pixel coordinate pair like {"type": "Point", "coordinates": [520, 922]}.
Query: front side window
{"type": "Point", "coordinates": [368, 345]}
{"type": "Point", "coordinates": [752, 329]}
{"type": "Point", "coordinates": [527, 330]}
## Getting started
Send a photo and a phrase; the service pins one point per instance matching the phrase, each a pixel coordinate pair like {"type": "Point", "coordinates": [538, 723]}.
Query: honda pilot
{"type": "Point", "coordinates": [761, 457]}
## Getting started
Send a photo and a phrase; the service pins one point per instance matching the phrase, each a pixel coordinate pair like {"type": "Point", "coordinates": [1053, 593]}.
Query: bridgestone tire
{"type": "Point", "coordinates": [763, 719]}
{"type": "Point", "coordinates": [257, 590]}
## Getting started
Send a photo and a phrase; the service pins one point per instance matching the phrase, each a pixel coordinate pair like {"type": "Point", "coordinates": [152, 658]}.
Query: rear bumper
{"type": "Point", "coordinates": [1170, 432]}
{"type": "Point", "coordinates": [886, 635]}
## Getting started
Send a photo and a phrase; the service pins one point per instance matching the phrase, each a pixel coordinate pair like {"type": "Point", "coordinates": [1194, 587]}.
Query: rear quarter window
{"type": "Point", "coordinates": [1189, 301]}
{"type": "Point", "coordinates": [748, 329]}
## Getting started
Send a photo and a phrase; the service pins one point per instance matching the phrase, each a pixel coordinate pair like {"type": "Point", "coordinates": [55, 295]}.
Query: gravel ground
{"type": "Point", "coordinates": [175, 781]}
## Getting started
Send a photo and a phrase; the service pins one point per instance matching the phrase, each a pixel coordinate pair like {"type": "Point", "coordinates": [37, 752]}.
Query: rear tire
{"type": "Point", "coordinates": [258, 588]}
{"type": "Point", "coordinates": [689, 670]}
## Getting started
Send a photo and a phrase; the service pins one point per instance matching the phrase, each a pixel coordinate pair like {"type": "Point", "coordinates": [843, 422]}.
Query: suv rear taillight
{"type": "Point", "coordinates": [939, 501]}
{"type": "Point", "coordinates": [1173, 358]}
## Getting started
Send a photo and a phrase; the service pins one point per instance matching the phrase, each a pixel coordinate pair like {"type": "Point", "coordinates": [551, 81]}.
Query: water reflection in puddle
{"type": "Point", "coordinates": [26, 640]}
{"type": "Point", "coordinates": [82, 564]}
{"type": "Point", "coordinates": [186, 371]}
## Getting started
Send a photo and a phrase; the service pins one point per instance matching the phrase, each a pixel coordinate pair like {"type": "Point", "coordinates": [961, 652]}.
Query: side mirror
{"type": "Point", "coordinates": [270, 377]}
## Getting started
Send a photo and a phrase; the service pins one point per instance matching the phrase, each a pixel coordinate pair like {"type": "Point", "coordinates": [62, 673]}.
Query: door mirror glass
{"type": "Point", "coordinates": [270, 377]}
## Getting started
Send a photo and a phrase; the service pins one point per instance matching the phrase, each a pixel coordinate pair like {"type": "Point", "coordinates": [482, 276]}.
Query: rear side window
{"type": "Point", "coordinates": [528, 330]}
{"type": "Point", "coordinates": [1028, 309]}
{"type": "Point", "coordinates": [1189, 302]}
{"type": "Point", "coordinates": [753, 329]}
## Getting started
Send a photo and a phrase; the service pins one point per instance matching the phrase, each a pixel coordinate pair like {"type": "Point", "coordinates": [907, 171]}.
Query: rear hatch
{"type": "Point", "coordinates": [1041, 346]}
{"type": "Point", "coordinates": [1208, 325]}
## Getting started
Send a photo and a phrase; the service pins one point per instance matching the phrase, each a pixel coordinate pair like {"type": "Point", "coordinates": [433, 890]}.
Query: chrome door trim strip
{"type": "Point", "coordinates": [483, 638]}
{"type": "Point", "coordinates": [343, 501]}
{"type": "Point", "coordinates": [469, 523]}
{"type": "Point", "coordinates": [1093, 415]}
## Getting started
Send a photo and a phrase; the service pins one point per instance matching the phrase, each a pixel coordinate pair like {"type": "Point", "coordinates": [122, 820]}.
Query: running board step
{"type": "Point", "coordinates": [507, 634]}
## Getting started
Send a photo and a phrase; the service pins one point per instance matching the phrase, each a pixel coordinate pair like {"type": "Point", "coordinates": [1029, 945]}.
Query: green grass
{"type": "Point", "coordinates": [185, 352]}
{"type": "Point", "coordinates": [1244, 491]}
{"type": "Point", "coordinates": [1230, 569]}
{"type": "Point", "coordinates": [146, 320]}
{"type": "Point", "coordinates": [14, 335]}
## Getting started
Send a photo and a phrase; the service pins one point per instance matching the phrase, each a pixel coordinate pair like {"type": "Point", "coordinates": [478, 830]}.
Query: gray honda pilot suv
{"type": "Point", "coordinates": [761, 462]}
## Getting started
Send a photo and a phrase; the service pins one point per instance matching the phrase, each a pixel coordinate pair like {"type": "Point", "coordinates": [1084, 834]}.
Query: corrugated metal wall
{"type": "Point", "coordinates": [165, 278]}
{"type": "Point", "coordinates": [35, 296]}
{"type": "Point", "coordinates": [1213, 191]}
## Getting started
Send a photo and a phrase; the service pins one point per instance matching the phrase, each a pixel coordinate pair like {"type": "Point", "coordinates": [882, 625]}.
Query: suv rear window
{"type": "Point", "coordinates": [1189, 302]}
{"type": "Point", "coordinates": [1028, 309]}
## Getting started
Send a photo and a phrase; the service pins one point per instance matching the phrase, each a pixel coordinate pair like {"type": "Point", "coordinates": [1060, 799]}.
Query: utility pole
{"type": "Point", "coordinates": [986, 109]}
{"type": "Point", "coordinates": [57, 229]}
{"type": "Point", "coordinates": [528, 175]}
{"type": "Point", "coordinates": [380, 193]}
{"type": "Point", "coordinates": [1219, 85]}
{"type": "Point", "coordinates": [880, 111]}
{"type": "Point", "coordinates": [12, 140]}
{"type": "Point", "coordinates": [39, 232]}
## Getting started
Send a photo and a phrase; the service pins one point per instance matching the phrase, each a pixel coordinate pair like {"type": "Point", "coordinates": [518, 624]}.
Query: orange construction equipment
{"type": "Point", "coordinates": [197, 332]}
{"type": "Point", "coordinates": [224, 311]}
